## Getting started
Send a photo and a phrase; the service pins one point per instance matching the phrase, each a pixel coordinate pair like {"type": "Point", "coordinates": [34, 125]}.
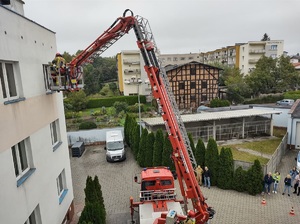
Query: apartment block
{"type": "Point", "coordinates": [178, 59]}
{"type": "Point", "coordinates": [36, 185]}
{"type": "Point", "coordinates": [131, 74]}
{"type": "Point", "coordinates": [252, 51]}
{"type": "Point", "coordinates": [244, 55]}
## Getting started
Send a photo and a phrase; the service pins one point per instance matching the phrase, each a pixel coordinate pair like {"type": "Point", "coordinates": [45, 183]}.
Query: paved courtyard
{"type": "Point", "coordinates": [231, 207]}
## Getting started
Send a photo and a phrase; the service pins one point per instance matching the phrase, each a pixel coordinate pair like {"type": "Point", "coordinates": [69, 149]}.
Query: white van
{"type": "Point", "coordinates": [115, 150]}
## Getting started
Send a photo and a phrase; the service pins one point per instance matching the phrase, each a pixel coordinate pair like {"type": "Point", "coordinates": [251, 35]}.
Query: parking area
{"type": "Point", "coordinates": [231, 207]}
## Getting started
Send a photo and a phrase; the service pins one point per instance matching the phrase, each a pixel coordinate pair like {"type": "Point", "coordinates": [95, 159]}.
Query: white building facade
{"type": "Point", "coordinates": [132, 76]}
{"type": "Point", "coordinates": [36, 184]}
{"type": "Point", "coordinates": [252, 51]}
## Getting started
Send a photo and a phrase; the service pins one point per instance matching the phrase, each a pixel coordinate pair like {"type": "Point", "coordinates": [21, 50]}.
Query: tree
{"type": "Point", "coordinates": [226, 169]}
{"type": "Point", "coordinates": [255, 178]}
{"type": "Point", "coordinates": [126, 129]}
{"type": "Point", "coordinates": [149, 149]}
{"type": "Point", "coordinates": [212, 160]}
{"type": "Point", "coordinates": [200, 153]}
{"type": "Point", "coordinates": [167, 153]}
{"type": "Point", "coordinates": [113, 87]}
{"type": "Point", "coordinates": [158, 148]}
{"type": "Point", "coordinates": [265, 37]}
{"type": "Point", "coordinates": [237, 88]}
{"type": "Point", "coordinates": [262, 78]}
{"type": "Point", "coordinates": [120, 106]}
{"type": "Point", "coordinates": [136, 141]}
{"type": "Point", "coordinates": [240, 180]}
{"type": "Point", "coordinates": [192, 144]}
{"type": "Point", "coordinates": [94, 210]}
{"type": "Point", "coordinates": [142, 149]}
{"type": "Point", "coordinates": [77, 99]}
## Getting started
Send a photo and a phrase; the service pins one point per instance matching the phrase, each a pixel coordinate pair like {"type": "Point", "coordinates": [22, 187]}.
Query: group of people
{"type": "Point", "coordinates": [292, 179]}
{"type": "Point", "coordinates": [206, 176]}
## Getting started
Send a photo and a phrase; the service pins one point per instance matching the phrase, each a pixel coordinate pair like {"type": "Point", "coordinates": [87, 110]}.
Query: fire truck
{"type": "Point", "coordinates": [157, 203]}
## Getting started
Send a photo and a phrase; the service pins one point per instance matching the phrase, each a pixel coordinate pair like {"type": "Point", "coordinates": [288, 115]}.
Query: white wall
{"type": "Point", "coordinates": [279, 120]}
{"type": "Point", "coordinates": [30, 46]}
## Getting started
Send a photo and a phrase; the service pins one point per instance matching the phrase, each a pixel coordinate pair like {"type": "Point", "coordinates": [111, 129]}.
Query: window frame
{"type": "Point", "coordinates": [55, 134]}
{"type": "Point", "coordinates": [10, 90]}
{"type": "Point", "coordinates": [34, 217]}
{"type": "Point", "coordinates": [61, 186]}
{"type": "Point", "coordinates": [18, 159]}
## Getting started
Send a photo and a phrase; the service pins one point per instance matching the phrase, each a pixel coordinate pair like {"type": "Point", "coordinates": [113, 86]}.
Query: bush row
{"type": "Point", "coordinates": [109, 102]}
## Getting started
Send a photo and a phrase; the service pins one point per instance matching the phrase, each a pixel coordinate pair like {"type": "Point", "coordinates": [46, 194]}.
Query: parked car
{"type": "Point", "coordinates": [285, 102]}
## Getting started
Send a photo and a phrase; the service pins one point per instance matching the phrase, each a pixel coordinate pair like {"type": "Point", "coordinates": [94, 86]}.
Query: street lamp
{"type": "Point", "coordinates": [138, 82]}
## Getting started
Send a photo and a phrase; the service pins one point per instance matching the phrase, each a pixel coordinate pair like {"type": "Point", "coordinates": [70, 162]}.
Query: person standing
{"type": "Point", "coordinates": [276, 177]}
{"type": "Point", "coordinates": [59, 65]}
{"type": "Point", "coordinates": [268, 180]}
{"type": "Point", "coordinates": [287, 184]}
{"type": "Point", "coordinates": [293, 172]}
{"type": "Point", "coordinates": [207, 177]}
{"type": "Point", "coordinates": [199, 172]}
{"type": "Point", "coordinates": [296, 184]}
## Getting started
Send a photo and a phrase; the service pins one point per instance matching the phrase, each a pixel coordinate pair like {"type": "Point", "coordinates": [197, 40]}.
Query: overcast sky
{"type": "Point", "coordinates": [179, 26]}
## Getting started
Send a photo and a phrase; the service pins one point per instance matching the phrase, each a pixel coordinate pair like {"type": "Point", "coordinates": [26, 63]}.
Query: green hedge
{"type": "Point", "coordinates": [87, 125]}
{"type": "Point", "coordinates": [109, 102]}
{"type": "Point", "coordinates": [266, 99]}
{"type": "Point", "coordinates": [292, 95]}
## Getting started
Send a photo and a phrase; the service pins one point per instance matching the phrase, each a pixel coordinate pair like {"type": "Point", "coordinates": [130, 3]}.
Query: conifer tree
{"type": "Point", "coordinates": [255, 178]}
{"type": "Point", "coordinates": [94, 210]}
{"type": "Point", "coordinates": [149, 150]}
{"type": "Point", "coordinates": [240, 180]}
{"type": "Point", "coordinates": [226, 169]}
{"type": "Point", "coordinates": [192, 144]}
{"type": "Point", "coordinates": [136, 141]}
{"type": "Point", "coordinates": [142, 149]}
{"type": "Point", "coordinates": [212, 160]}
{"type": "Point", "coordinates": [200, 153]}
{"type": "Point", "coordinates": [158, 148]}
{"type": "Point", "coordinates": [167, 153]}
{"type": "Point", "coordinates": [126, 129]}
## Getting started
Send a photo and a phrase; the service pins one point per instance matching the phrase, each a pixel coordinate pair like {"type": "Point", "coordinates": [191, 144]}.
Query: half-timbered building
{"type": "Point", "coordinates": [193, 83]}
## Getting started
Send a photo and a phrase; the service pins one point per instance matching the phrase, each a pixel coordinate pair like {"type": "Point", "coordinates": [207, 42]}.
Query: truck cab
{"type": "Point", "coordinates": [115, 150]}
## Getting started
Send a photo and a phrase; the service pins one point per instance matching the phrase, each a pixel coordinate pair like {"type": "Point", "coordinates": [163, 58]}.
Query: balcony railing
{"type": "Point", "coordinates": [257, 51]}
{"type": "Point", "coordinates": [133, 62]}
{"type": "Point", "coordinates": [253, 61]}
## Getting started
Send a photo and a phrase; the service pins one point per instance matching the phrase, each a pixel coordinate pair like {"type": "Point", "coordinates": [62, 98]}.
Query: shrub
{"type": "Point", "coordinates": [292, 95]}
{"type": "Point", "coordinates": [212, 160]}
{"type": "Point", "coordinates": [219, 103]}
{"type": "Point", "coordinates": [87, 125]}
{"type": "Point", "coordinates": [265, 99]}
{"type": "Point", "coordinates": [254, 178]}
{"type": "Point", "coordinates": [109, 101]}
{"type": "Point", "coordinates": [225, 169]}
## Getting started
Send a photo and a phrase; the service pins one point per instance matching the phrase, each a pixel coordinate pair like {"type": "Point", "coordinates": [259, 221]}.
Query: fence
{"type": "Point", "coordinates": [273, 163]}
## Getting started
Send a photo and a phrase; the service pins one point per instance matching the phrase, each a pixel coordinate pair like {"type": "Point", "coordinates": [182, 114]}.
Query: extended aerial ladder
{"type": "Point", "coordinates": [182, 155]}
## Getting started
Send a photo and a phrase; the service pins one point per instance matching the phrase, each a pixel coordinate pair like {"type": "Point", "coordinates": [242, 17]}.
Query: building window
{"type": "Point", "coordinates": [8, 81]}
{"type": "Point", "coordinates": [61, 186]}
{"type": "Point", "coordinates": [55, 134]}
{"type": "Point", "coordinates": [204, 84]}
{"type": "Point", "coordinates": [35, 217]}
{"type": "Point", "coordinates": [203, 98]}
{"type": "Point", "coordinates": [174, 59]}
{"type": "Point", "coordinates": [193, 85]}
{"type": "Point", "coordinates": [192, 71]}
{"type": "Point", "coordinates": [273, 56]}
{"type": "Point", "coordinates": [273, 47]}
{"type": "Point", "coordinates": [193, 98]}
{"type": "Point", "coordinates": [46, 72]}
{"type": "Point", "coordinates": [181, 85]}
{"type": "Point", "coordinates": [182, 58]}
{"type": "Point", "coordinates": [22, 160]}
